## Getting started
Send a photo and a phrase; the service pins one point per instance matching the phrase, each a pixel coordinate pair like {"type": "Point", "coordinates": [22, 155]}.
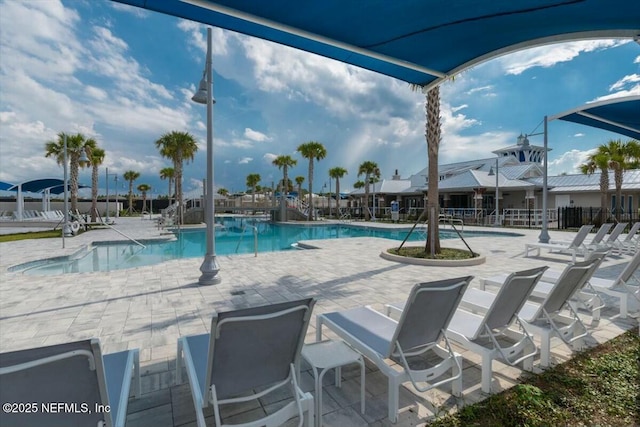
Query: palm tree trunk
{"type": "Point", "coordinates": [310, 215]}
{"type": "Point", "coordinates": [433, 137]}
{"type": "Point", "coordinates": [130, 196]}
{"type": "Point", "coordinates": [604, 188]}
{"type": "Point", "coordinates": [73, 180]}
{"type": "Point", "coordinates": [618, 179]}
{"type": "Point", "coordinates": [367, 214]}
{"type": "Point", "coordinates": [94, 192]}
{"type": "Point", "coordinates": [179, 199]}
{"type": "Point", "coordinates": [337, 197]}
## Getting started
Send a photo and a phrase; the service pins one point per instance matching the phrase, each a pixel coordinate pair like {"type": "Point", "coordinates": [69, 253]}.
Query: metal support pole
{"type": "Point", "coordinates": [106, 217]}
{"type": "Point", "coordinates": [117, 202]}
{"type": "Point", "coordinates": [209, 267]}
{"type": "Point", "coordinates": [544, 233]}
{"type": "Point", "coordinates": [66, 227]}
{"type": "Point", "coordinates": [497, 221]}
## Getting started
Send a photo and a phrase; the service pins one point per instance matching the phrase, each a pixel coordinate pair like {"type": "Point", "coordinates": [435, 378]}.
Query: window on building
{"type": "Point", "coordinates": [613, 203]}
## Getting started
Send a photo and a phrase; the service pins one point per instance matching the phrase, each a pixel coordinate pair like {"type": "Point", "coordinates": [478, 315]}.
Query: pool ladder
{"type": "Point", "coordinates": [255, 238]}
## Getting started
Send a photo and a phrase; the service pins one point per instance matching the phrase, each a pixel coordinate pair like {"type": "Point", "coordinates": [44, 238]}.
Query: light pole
{"type": "Point", "coordinates": [209, 267]}
{"type": "Point", "coordinates": [107, 175]}
{"type": "Point", "coordinates": [543, 237]}
{"type": "Point", "coordinates": [497, 221]}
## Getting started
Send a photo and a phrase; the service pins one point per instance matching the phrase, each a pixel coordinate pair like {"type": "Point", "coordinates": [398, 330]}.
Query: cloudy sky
{"type": "Point", "coordinates": [125, 76]}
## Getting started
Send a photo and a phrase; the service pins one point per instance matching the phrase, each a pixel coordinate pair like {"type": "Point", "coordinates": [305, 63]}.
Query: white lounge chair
{"type": "Point", "coordinates": [596, 241]}
{"type": "Point", "coordinates": [548, 318]}
{"type": "Point", "coordinates": [419, 331]}
{"type": "Point", "coordinates": [95, 387]}
{"type": "Point", "coordinates": [585, 298]}
{"type": "Point", "coordinates": [631, 241]}
{"type": "Point", "coordinates": [486, 332]}
{"type": "Point", "coordinates": [622, 287]}
{"type": "Point", "coordinates": [249, 350]}
{"type": "Point", "coordinates": [612, 238]}
{"type": "Point", "coordinates": [574, 247]}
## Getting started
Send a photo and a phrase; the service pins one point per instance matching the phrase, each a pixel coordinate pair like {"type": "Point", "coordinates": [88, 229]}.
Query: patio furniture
{"type": "Point", "coordinates": [327, 355]}
{"type": "Point", "coordinates": [249, 354]}
{"type": "Point", "coordinates": [612, 238]}
{"type": "Point", "coordinates": [419, 331]}
{"type": "Point", "coordinates": [585, 298]}
{"type": "Point", "coordinates": [596, 241]}
{"type": "Point", "coordinates": [92, 388]}
{"type": "Point", "coordinates": [630, 242]}
{"type": "Point", "coordinates": [485, 333]}
{"type": "Point", "coordinates": [574, 247]}
{"type": "Point", "coordinates": [548, 318]}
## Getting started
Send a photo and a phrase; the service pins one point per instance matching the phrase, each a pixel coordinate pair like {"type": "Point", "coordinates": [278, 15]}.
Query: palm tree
{"type": "Point", "coordinates": [299, 180]}
{"type": "Point", "coordinates": [131, 176]}
{"type": "Point", "coordinates": [96, 157]}
{"type": "Point", "coordinates": [76, 144]}
{"type": "Point", "coordinates": [370, 170]}
{"type": "Point", "coordinates": [178, 147]}
{"type": "Point", "coordinates": [143, 188]}
{"type": "Point", "coordinates": [433, 135]}
{"type": "Point", "coordinates": [616, 156]}
{"type": "Point", "coordinates": [168, 173]}
{"type": "Point", "coordinates": [337, 173]}
{"type": "Point", "coordinates": [223, 192]}
{"type": "Point", "coordinates": [252, 181]}
{"type": "Point", "coordinates": [284, 162]}
{"type": "Point", "coordinates": [622, 156]}
{"type": "Point", "coordinates": [312, 150]}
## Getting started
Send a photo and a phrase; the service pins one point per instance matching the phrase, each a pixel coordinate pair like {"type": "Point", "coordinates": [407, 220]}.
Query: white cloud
{"type": "Point", "coordinates": [550, 55]}
{"type": "Point", "coordinates": [245, 160]}
{"type": "Point", "coordinates": [486, 89]}
{"type": "Point", "coordinates": [269, 158]}
{"type": "Point", "coordinates": [579, 134]}
{"type": "Point", "coordinates": [254, 135]}
{"type": "Point", "coordinates": [135, 11]}
{"type": "Point", "coordinates": [568, 162]}
{"type": "Point", "coordinates": [626, 80]}
{"type": "Point", "coordinates": [637, 60]}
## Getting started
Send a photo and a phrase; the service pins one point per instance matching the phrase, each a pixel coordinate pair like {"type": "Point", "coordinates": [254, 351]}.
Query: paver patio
{"type": "Point", "coordinates": [150, 307]}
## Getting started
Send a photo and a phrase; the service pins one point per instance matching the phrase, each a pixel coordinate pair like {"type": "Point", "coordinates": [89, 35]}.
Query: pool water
{"type": "Point", "coordinates": [234, 236]}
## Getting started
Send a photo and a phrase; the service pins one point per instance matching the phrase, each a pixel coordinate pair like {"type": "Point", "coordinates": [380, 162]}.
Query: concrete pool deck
{"type": "Point", "coordinates": [150, 307]}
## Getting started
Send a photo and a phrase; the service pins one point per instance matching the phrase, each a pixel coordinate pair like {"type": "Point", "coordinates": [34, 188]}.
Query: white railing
{"type": "Point", "coordinates": [528, 217]}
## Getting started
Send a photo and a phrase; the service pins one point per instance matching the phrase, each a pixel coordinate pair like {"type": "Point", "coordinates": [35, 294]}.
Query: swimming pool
{"type": "Point", "coordinates": [232, 237]}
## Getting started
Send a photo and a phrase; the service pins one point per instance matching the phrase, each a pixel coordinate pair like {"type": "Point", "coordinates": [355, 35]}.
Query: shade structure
{"type": "Point", "coordinates": [620, 115]}
{"type": "Point", "coordinates": [54, 185]}
{"type": "Point", "coordinates": [5, 186]}
{"type": "Point", "coordinates": [38, 185]}
{"type": "Point", "coordinates": [418, 41]}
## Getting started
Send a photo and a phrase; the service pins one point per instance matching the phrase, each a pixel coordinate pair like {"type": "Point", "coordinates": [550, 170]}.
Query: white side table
{"type": "Point", "coordinates": [326, 355]}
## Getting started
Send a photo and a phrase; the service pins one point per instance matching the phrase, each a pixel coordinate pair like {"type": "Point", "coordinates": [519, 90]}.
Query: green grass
{"type": "Point", "coordinates": [31, 235]}
{"type": "Point", "coordinates": [418, 252]}
{"type": "Point", "coordinates": [598, 387]}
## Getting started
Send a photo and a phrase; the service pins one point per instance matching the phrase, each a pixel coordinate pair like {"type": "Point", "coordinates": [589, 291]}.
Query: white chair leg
{"type": "Point", "coordinates": [456, 385]}
{"type": "Point", "coordinates": [624, 306]}
{"type": "Point", "coordinates": [179, 362]}
{"type": "Point", "coordinates": [486, 372]}
{"type": "Point", "coordinates": [394, 397]}
{"type": "Point", "coordinates": [545, 348]}
{"type": "Point", "coordinates": [309, 420]}
{"type": "Point", "coordinates": [362, 395]}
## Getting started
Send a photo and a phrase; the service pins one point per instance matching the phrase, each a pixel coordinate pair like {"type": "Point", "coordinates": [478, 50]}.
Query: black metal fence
{"type": "Point", "coordinates": [576, 217]}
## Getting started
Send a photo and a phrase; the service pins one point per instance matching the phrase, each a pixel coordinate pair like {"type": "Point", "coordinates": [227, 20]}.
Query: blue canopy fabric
{"type": "Point", "coordinates": [5, 186]}
{"type": "Point", "coordinates": [418, 41]}
{"type": "Point", "coordinates": [620, 115]}
{"type": "Point", "coordinates": [54, 185]}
